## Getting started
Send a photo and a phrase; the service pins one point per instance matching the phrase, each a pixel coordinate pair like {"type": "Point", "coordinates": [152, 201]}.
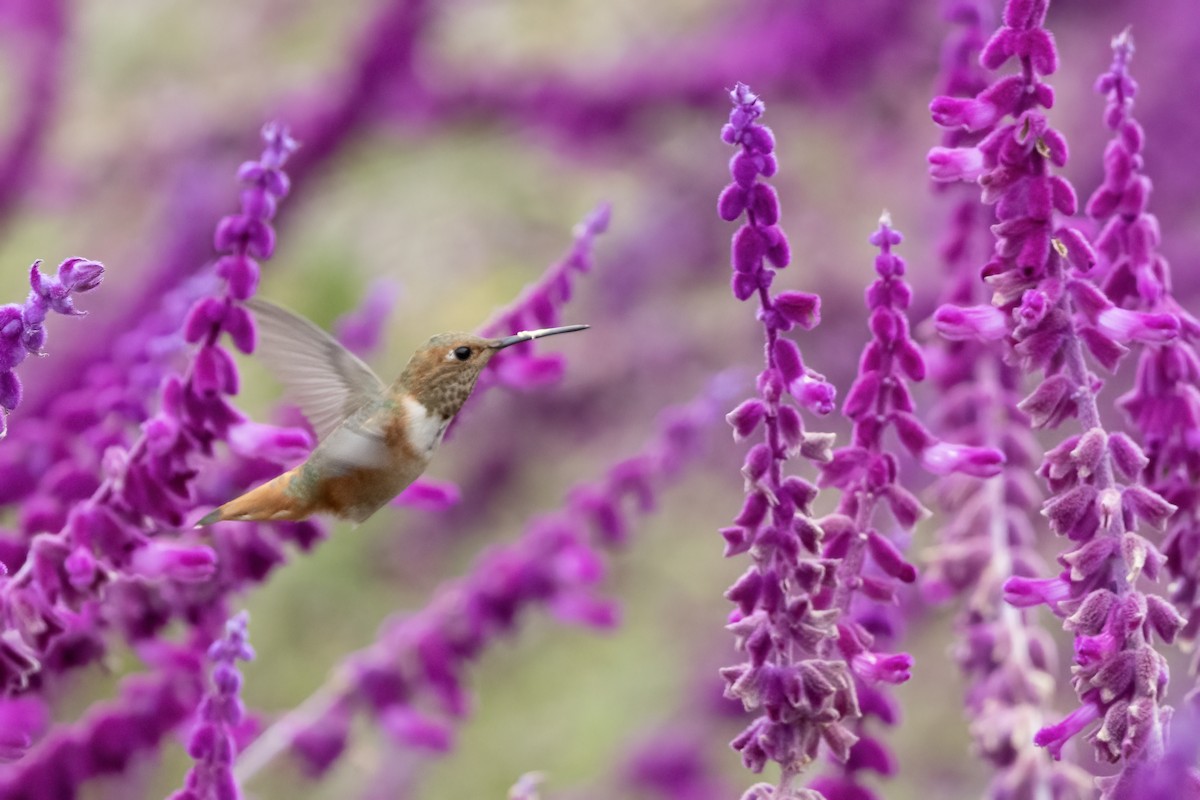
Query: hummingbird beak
{"type": "Point", "coordinates": [525, 336]}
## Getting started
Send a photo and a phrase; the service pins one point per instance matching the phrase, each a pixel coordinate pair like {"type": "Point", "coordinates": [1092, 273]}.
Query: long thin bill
{"type": "Point", "coordinates": [525, 336]}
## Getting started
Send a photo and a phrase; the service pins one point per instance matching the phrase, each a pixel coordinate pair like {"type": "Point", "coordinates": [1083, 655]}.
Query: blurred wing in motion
{"type": "Point", "coordinates": [327, 381]}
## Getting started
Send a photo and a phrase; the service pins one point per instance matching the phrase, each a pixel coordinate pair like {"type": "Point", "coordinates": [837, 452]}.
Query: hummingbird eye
{"type": "Point", "coordinates": [462, 353]}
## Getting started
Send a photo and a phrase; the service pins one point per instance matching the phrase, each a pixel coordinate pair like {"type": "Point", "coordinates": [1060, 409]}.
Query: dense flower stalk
{"type": "Point", "coordinates": [412, 678]}
{"type": "Point", "coordinates": [803, 697]}
{"type": "Point", "coordinates": [150, 486]}
{"type": "Point", "coordinates": [987, 533]}
{"type": "Point", "coordinates": [212, 743]}
{"type": "Point", "coordinates": [54, 461]}
{"type": "Point", "coordinates": [22, 327]}
{"type": "Point", "coordinates": [870, 565]}
{"type": "Point", "coordinates": [1164, 403]}
{"type": "Point", "coordinates": [1051, 313]}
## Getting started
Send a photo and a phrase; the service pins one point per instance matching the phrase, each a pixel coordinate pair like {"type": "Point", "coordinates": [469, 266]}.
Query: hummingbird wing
{"type": "Point", "coordinates": [327, 381]}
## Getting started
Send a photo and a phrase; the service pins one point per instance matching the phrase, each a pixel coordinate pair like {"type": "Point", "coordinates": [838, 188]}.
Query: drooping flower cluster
{"type": "Point", "coordinates": [22, 328]}
{"type": "Point", "coordinates": [212, 744]}
{"type": "Point", "coordinates": [1164, 402]}
{"type": "Point", "coordinates": [1052, 313]}
{"type": "Point", "coordinates": [803, 696]}
{"type": "Point", "coordinates": [412, 679]}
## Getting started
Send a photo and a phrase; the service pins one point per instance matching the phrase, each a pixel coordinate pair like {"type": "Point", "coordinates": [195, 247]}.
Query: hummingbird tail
{"type": "Point", "coordinates": [268, 501]}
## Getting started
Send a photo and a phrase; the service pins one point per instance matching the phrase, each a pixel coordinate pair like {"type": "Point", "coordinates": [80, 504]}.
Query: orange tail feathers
{"type": "Point", "coordinates": [268, 501]}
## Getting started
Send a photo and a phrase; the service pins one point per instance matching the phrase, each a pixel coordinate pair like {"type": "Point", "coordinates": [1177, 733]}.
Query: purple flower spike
{"type": "Point", "coordinates": [221, 712]}
{"type": "Point", "coordinates": [22, 330]}
{"type": "Point", "coordinates": [1163, 403]}
{"type": "Point", "coordinates": [113, 735]}
{"type": "Point", "coordinates": [871, 566]}
{"type": "Point", "coordinates": [803, 697]}
{"type": "Point", "coordinates": [1056, 316]}
{"type": "Point", "coordinates": [759, 244]}
{"type": "Point", "coordinates": [986, 535]}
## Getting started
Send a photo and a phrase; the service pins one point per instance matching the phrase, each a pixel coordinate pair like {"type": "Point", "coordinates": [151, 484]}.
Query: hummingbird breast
{"type": "Point", "coordinates": [369, 459]}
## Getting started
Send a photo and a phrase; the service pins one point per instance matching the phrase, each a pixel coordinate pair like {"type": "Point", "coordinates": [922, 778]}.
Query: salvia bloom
{"type": "Point", "coordinates": [22, 327]}
{"type": "Point", "coordinates": [869, 563]}
{"type": "Point", "coordinates": [412, 679]}
{"type": "Point", "coordinates": [1054, 313]}
{"type": "Point", "coordinates": [802, 695]}
{"type": "Point", "coordinates": [1163, 405]}
{"type": "Point", "coordinates": [121, 448]}
{"type": "Point", "coordinates": [212, 744]}
{"type": "Point", "coordinates": [985, 531]}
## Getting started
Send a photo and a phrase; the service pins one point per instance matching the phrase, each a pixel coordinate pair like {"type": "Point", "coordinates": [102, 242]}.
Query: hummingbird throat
{"type": "Point", "coordinates": [423, 428]}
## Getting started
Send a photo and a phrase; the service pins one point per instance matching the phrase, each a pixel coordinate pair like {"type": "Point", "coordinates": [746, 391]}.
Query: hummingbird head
{"type": "Point", "coordinates": [442, 373]}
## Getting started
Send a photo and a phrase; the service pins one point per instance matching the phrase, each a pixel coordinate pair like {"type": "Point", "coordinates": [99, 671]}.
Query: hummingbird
{"type": "Point", "coordinates": [373, 439]}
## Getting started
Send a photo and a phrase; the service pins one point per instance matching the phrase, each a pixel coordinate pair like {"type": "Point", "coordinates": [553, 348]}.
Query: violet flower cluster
{"type": "Point", "coordinates": [802, 696]}
{"type": "Point", "coordinates": [814, 667]}
{"type": "Point", "coordinates": [1164, 404]}
{"type": "Point", "coordinates": [868, 477]}
{"type": "Point", "coordinates": [539, 305]}
{"type": "Point", "coordinates": [112, 736]}
{"type": "Point", "coordinates": [213, 745]}
{"type": "Point", "coordinates": [23, 329]}
{"type": "Point", "coordinates": [988, 528]}
{"type": "Point", "coordinates": [1048, 309]}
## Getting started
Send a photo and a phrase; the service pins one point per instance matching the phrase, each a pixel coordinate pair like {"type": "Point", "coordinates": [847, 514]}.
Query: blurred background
{"type": "Point", "coordinates": [447, 151]}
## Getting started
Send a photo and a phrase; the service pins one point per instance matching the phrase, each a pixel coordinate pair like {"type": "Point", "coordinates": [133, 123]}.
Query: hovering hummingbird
{"type": "Point", "coordinates": [374, 440]}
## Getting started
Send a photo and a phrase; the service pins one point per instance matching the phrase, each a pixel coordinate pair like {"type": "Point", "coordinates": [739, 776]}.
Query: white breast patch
{"type": "Point", "coordinates": [424, 430]}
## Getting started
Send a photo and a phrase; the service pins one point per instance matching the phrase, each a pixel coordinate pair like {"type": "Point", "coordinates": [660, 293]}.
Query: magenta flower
{"type": "Point", "coordinates": [1037, 274]}
{"type": "Point", "coordinates": [539, 306]}
{"type": "Point", "coordinates": [870, 564]}
{"type": "Point", "coordinates": [1163, 403]}
{"type": "Point", "coordinates": [212, 743]}
{"type": "Point", "coordinates": [802, 694]}
{"type": "Point", "coordinates": [21, 327]}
